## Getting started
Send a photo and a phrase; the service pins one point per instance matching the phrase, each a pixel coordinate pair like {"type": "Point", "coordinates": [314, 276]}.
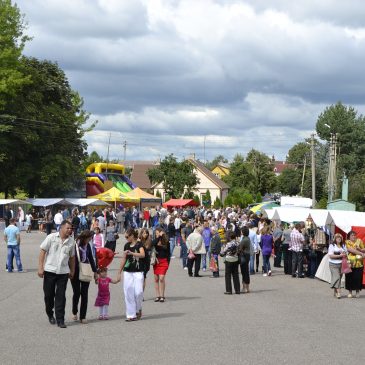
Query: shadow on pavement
{"type": "Point", "coordinates": [173, 299]}
{"type": "Point", "coordinates": [162, 315]}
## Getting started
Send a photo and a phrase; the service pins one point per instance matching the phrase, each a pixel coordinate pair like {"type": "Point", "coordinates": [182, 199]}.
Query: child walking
{"type": "Point", "coordinates": [103, 298]}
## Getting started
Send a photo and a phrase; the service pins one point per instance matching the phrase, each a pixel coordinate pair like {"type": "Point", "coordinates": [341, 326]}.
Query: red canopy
{"type": "Point", "coordinates": [179, 203]}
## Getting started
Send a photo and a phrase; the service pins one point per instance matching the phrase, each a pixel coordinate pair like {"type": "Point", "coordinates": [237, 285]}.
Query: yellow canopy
{"type": "Point", "coordinates": [115, 195]}
{"type": "Point", "coordinates": [138, 193]}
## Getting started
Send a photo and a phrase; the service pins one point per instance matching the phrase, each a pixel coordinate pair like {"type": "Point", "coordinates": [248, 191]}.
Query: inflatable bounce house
{"type": "Point", "coordinates": [102, 176]}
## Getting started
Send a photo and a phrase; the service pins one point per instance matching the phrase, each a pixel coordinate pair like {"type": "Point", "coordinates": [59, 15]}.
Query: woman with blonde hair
{"type": "Point", "coordinates": [336, 251]}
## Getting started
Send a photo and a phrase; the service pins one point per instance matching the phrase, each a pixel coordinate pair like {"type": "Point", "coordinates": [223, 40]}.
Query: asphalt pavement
{"type": "Point", "coordinates": [283, 320]}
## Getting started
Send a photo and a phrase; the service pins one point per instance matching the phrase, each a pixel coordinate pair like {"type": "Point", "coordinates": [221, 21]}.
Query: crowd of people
{"type": "Point", "coordinates": [240, 237]}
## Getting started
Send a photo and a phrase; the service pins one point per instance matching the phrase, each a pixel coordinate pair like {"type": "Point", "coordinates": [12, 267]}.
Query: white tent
{"type": "Point", "coordinates": [83, 202]}
{"type": "Point", "coordinates": [12, 201]}
{"type": "Point", "coordinates": [41, 202]}
{"type": "Point", "coordinates": [291, 215]}
{"type": "Point", "coordinates": [269, 213]}
{"type": "Point", "coordinates": [345, 220]}
{"type": "Point", "coordinates": [321, 217]}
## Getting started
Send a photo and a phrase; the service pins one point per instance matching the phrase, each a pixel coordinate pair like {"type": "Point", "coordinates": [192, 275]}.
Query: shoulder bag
{"type": "Point", "coordinates": [85, 271]}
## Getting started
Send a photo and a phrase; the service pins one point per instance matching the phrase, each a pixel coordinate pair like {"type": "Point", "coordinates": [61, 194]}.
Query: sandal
{"type": "Point", "coordinates": [157, 299]}
{"type": "Point", "coordinates": [162, 300]}
{"type": "Point", "coordinates": [131, 319]}
{"type": "Point", "coordinates": [100, 318]}
{"type": "Point", "coordinates": [74, 317]}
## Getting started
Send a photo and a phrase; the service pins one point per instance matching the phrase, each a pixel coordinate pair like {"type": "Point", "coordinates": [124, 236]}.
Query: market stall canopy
{"type": "Point", "coordinates": [290, 215]}
{"type": "Point", "coordinates": [268, 213]}
{"type": "Point", "coordinates": [179, 203]}
{"type": "Point", "coordinates": [321, 217]}
{"type": "Point", "coordinates": [138, 193]}
{"type": "Point", "coordinates": [46, 202]}
{"type": "Point", "coordinates": [266, 205]}
{"type": "Point", "coordinates": [83, 202]}
{"type": "Point", "coordinates": [12, 201]}
{"type": "Point", "coordinates": [114, 195]}
{"type": "Point", "coordinates": [345, 220]}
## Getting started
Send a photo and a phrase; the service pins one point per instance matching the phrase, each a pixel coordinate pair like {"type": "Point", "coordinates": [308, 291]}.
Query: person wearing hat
{"type": "Point", "coordinates": [80, 288]}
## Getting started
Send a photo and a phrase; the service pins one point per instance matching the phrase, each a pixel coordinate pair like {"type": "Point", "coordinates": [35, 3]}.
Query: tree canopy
{"type": "Point", "coordinates": [12, 41]}
{"type": "Point", "coordinates": [176, 177]}
{"type": "Point", "coordinates": [45, 119]}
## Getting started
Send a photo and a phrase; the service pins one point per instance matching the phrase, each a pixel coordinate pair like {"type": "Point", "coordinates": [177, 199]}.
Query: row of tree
{"type": "Point", "coordinates": [42, 121]}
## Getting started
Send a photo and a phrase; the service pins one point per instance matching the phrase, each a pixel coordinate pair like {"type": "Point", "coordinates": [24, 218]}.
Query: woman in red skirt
{"type": "Point", "coordinates": [161, 245]}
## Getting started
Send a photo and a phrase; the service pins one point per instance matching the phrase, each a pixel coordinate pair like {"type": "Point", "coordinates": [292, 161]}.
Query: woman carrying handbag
{"type": "Point", "coordinates": [85, 271]}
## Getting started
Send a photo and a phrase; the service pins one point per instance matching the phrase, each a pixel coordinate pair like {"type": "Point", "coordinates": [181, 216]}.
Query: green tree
{"type": "Point", "coordinates": [207, 199]}
{"type": "Point", "coordinates": [240, 175]}
{"type": "Point", "coordinates": [93, 157]}
{"type": "Point", "coordinates": [196, 199]}
{"type": "Point", "coordinates": [349, 126]}
{"type": "Point", "coordinates": [176, 177]}
{"type": "Point", "coordinates": [216, 161]}
{"type": "Point", "coordinates": [12, 41]}
{"type": "Point", "coordinates": [217, 203]}
{"type": "Point", "coordinates": [289, 182]}
{"type": "Point", "coordinates": [261, 167]}
{"type": "Point", "coordinates": [46, 120]}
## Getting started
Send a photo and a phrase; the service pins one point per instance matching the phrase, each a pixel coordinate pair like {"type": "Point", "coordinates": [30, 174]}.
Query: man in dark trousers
{"type": "Point", "coordinates": [55, 265]}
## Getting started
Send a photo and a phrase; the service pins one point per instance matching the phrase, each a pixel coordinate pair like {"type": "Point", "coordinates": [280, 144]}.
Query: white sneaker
{"type": "Point", "coordinates": [172, 257]}
{"type": "Point", "coordinates": [204, 269]}
{"type": "Point", "coordinates": [264, 275]}
{"type": "Point", "coordinates": [185, 268]}
{"type": "Point", "coordinates": [269, 272]}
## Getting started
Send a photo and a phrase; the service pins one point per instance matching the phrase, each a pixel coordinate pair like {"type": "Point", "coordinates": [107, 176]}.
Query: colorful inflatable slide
{"type": "Point", "coordinates": [98, 173]}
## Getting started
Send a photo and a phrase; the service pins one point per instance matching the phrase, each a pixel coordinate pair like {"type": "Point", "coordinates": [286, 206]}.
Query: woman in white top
{"type": "Point", "coordinates": [336, 251]}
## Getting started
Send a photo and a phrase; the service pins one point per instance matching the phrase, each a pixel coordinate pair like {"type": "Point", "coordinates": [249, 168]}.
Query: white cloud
{"type": "Point", "coordinates": [163, 73]}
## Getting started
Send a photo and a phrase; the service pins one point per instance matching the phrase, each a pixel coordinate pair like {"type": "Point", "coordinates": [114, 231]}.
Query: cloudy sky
{"type": "Point", "coordinates": [165, 75]}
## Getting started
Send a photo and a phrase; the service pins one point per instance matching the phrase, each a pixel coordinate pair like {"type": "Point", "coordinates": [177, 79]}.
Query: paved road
{"type": "Point", "coordinates": [283, 320]}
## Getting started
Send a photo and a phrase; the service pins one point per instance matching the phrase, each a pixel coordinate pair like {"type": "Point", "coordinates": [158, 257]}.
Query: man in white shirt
{"type": "Point", "coordinates": [55, 265]}
{"type": "Point", "coordinates": [58, 218]}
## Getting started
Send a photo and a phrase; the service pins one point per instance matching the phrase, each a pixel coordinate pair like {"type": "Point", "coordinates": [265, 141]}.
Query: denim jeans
{"type": "Point", "coordinates": [14, 250]}
{"type": "Point", "coordinates": [204, 258]}
{"type": "Point", "coordinates": [266, 260]}
{"type": "Point", "coordinates": [252, 264]}
{"type": "Point", "coordinates": [184, 253]}
{"type": "Point", "coordinates": [172, 245]}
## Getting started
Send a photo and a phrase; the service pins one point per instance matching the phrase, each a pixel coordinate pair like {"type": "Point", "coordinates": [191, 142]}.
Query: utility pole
{"type": "Point", "coordinates": [125, 150]}
{"type": "Point", "coordinates": [332, 168]}
{"type": "Point", "coordinates": [305, 165]}
{"type": "Point", "coordinates": [313, 171]}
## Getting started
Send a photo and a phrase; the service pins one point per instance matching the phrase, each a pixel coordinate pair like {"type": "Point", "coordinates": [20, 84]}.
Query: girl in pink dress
{"type": "Point", "coordinates": [103, 298]}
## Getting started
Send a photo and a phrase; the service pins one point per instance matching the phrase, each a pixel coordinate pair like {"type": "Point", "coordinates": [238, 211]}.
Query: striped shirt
{"type": "Point", "coordinates": [296, 241]}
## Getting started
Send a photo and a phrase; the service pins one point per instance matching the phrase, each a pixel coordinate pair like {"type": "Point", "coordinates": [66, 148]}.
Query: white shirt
{"type": "Point", "coordinates": [177, 223]}
{"type": "Point", "coordinates": [58, 218]}
{"type": "Point", "coordinates": [58, 253]}
{"type": "Point", "coordinates": [331, 251]}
